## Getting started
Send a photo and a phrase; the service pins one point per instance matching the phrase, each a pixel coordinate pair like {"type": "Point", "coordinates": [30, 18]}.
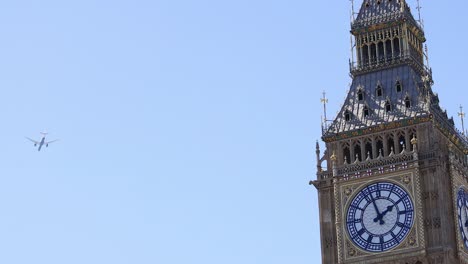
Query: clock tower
{"type": "Point", "coordinates": [393, 180]}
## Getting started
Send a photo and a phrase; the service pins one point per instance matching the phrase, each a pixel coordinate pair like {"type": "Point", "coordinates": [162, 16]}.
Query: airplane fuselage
{"type": "Point", "coordinates": [41, 143]}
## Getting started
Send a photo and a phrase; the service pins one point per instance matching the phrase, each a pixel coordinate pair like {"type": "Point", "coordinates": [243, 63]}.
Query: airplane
{"type": "Point", "coordinates": [42, 142]}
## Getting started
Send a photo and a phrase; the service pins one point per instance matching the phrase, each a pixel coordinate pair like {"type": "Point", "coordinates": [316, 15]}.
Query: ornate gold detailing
{"type": "Point", "coordinates": [406, 179]}
{"type": "Point", "coordinates": [333, 157]}
{"type": "Point", "coordinates": [351, 250]}
{"type": "Point", "coordinates": [348, 191]}
{"type": "Point", "coordinates": [414, 140]}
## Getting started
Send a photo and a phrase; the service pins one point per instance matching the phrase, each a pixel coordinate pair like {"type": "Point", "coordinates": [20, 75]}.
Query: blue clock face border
{"type": "Point", "coordinates": [462, 214]}
{"type": "Point", "coordinates": [379, 217]}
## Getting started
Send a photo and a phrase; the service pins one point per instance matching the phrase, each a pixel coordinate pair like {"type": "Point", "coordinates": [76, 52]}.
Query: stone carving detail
{"type": "Point", "coordinates": [329, 242]}
{"type": "Point", "coordinates": [351, 251]}
{"type": "Point", "coordinates": [430, 195]}
{"type": "Point", "coordinates": [348, 191]}
{"type": "Point", "coordinates": [406, 179]}
{"type": "Point", "coordinates": [400, 160]}
{"type": "Point", "coordinates": [427, 222]}
{"type": "Point", "coordinates": [436, 222]}
{"type": "Point", "coordinates": [432, 223]}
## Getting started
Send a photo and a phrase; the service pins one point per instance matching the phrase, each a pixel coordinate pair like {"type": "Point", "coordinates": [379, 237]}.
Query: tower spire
{"type": "Point", "coordinates": [461, 114]}
{"type": "Point", "coordinates": [324, 100]}
{"type": "Point", "coordinates": [421, 22]}
{"type": "Point", "coordinates": [352, 11]}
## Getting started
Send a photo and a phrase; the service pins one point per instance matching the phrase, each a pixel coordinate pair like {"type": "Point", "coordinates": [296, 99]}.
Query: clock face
{"type": "Point", "coordinates": [379, 217]}
{"type": "Point", "coordinates": [462, 210]}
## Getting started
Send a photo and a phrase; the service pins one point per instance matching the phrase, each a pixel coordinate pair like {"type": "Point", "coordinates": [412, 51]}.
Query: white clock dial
{"type": "Point", "coordinates": [379, 217]}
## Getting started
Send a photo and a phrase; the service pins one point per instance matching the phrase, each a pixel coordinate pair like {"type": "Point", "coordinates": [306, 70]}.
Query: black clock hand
{"type": "Point", "coordinates": [389, 209]}
{"type": "Point", "coordinates": [380, 217]}
{"type": "Point", "coordinates": [376, 210]}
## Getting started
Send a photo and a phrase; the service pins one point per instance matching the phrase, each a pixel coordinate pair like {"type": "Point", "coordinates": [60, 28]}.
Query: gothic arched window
{"type": "Point", "coordinates": [396, 47]}
{"type": "Point", "coordinates": [380, 148]}
{"type": "Point", "coordinates": [347, 115]}
{"type": "Point", "coordinates": [390, 146]}
{"type": "Point", "coordinates": [369, 150]}
{"type": "Point", "coordinates": [373, 53]}
{"type": "Point", "coordinates": [360, 95]}
{"type": "Point", "coordinates": [398, 86]}
{"type": "Point", "coordinates": [365, 55]}
{"type": "Point", "coordinates": [366, 111]}
{"type": "Point", "coordinates": [407, 102]}
{"type": "Point", "coordinates": [346, 155]}
{"type": "Point", "coordinates": [388, 47]}
{"type": "Point", "coordinates": [379, 91]}
{"type": "Point", "coordinates": [357, 153]}
{"type": "Point", "coordinates": [381, 54]}
{"type": "Point", "coordinates": [388, 106]}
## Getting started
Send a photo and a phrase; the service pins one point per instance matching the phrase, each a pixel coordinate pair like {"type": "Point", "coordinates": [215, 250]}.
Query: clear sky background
{"type": "Point", "coordinates": [187, 128]}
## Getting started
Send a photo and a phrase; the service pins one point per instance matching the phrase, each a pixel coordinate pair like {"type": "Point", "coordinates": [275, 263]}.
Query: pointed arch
{"type": "Point", "coordinates": [401, 142]}
{"type": "Point", "coordinates": [407, 102]}
{"type": "Point", "coordinates": [366, 111]}
{"type": "Point", "coordinates": [388, 48]}
{"type": "Point", "coordinates": [396, 47]}
{"type": "Point", "coordinates": [388, 106]}
{"type": "Point", "coordinates": [379, 147]}
{"type": "Point", "coordinates": [398, 86]}
{"type": "Point", "coordinates": [368, 149]}
{"type": "Point", "coordinates": [346, 155]}
{"type": "Point", "coordinates": [381, 54]}
{"type": "Point", "coordinates": [357, 151]}
{"type": "Point", "coordinates": [360, 94]}
{"type": "Point", "coordinates": [347, 115]}
{"type": "Point", "coordinates": [379, 91]}
{"type": "Point", "coordinates": [373, 53]}
{"type": "Point", "coordinates": [390, 145]}
{"type": "Point", "coordinates": [365, 55]}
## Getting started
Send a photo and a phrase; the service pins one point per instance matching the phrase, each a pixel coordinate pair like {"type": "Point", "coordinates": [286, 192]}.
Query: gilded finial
{"type": "Point", "coordinates": [333, 157]}
{"type": "Point", "coordinates": [462, 117]}
{"type": "Point", "coordinates": [414, 140]}
{"type": "Point", "coordinates": [324, 101]}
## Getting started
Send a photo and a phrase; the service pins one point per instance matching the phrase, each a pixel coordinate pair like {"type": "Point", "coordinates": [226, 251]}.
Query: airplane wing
{"type": "Point", "coordinates": [34, 141]}
{"type": "Point", "coordinates": [48, 142]}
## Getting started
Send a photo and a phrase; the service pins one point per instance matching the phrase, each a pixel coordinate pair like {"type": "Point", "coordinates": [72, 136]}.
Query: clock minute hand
{"type": "Point", "coordinates": [376, 210]}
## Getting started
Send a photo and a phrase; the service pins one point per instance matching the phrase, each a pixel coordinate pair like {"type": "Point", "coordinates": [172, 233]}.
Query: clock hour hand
{"type": "Point", "coordinates": [389, 209]}
{"type": "Point", "coordinates": [380, 216]}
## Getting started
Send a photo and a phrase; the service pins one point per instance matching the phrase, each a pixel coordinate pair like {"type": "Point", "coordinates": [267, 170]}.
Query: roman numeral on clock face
{"type": "Point", "coordinates": [362, 231]}
{"type": "Point", "coordinates": [402, 225]}
{"type": "Point", "coordinates": [377, 192]}
{"type": "Point", "coordinates": [405, 212]}
{"type": "Point", "coordinates": [354, 221]}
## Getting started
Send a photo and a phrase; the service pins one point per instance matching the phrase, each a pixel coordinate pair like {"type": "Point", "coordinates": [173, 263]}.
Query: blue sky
{"type": "Point", "coordinates": [187, 128]}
